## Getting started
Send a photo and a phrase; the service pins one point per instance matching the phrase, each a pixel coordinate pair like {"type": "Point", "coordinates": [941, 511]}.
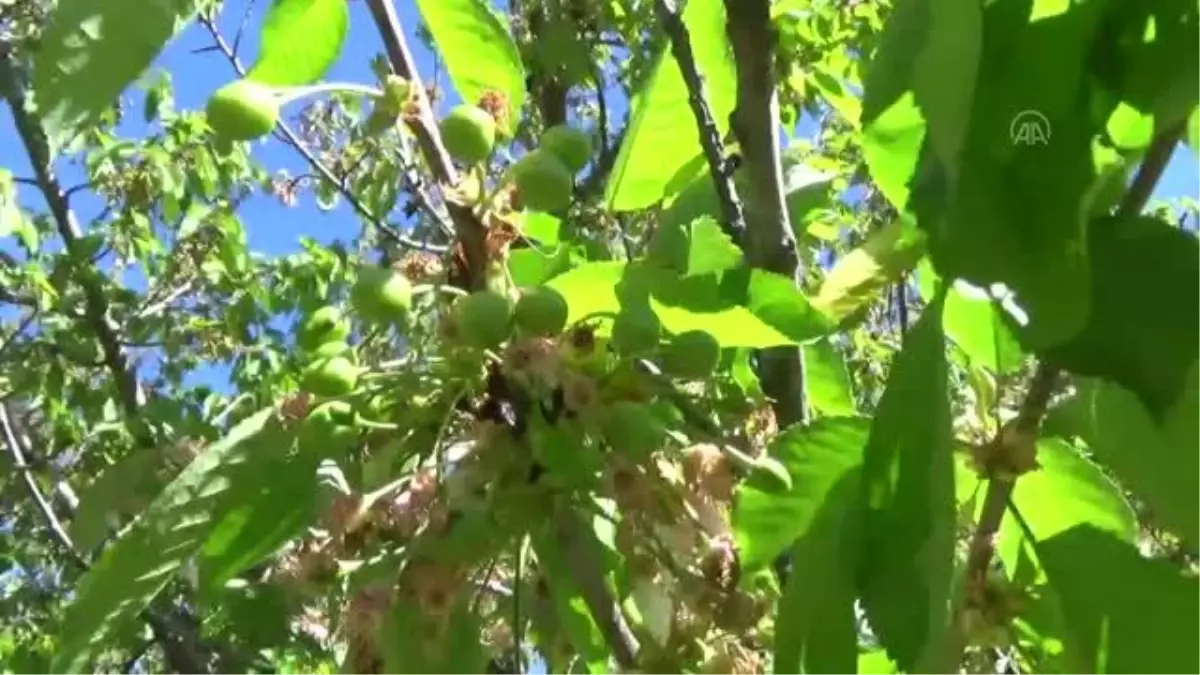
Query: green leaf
{"type": "Point", "coordinates": [577, 622]}
{"type": "Point", "coordinates": [944, 71]}
{"type": "Point", "coordinates": [91, 50]}
{"type": "Point", "coordinates": [827, 380]}
{"type": "Point", "coordinates": [144, 559]}
{"type": "Point", "coordinates": [421, 643]}
{"type": "Point", "coordinates": [908, 497]}
{"type": "Point", "coordinates": [818, 458]}
{"type": "Point", "coordinates": [1015, 212]}
{"type": "Point", "coordinates": [1067, 491]}
{"type": "Point", "coordinates": [301, 40]}
{"type": "Point", "coordinates": [977, 327]}
{"type": "Point", "coordinates": [974, 321]}
{"type": "Point", "coordinates": [858, 277]}
{"type": "Point", "coordinates": [1157, 460]}
{"type": "Point", "coordinates": [278, 503]}
{"type": "Point", "coordinates": [478, 50]}
{"type": "Point", "coordinates": [710, 249]}
{"type": "Point", "coordinates": [533, 267]}
{"type": "Point", "coordinates": [816, 629]}
{"type": "Point", "coordinates": [777, 300]}
{"type": "Point", "coordinates": [1122, 612]}
{"type": "Point", "coordinates": [681, 304]}
{"type": "Point", "coordinates": [1193, 131]}
{"type": "Point", "coordinates": [123, 489]}
{"type": "Point", "coordinates": [662, 135]}
{"type": "Point", "coordinates": [1144, 329]}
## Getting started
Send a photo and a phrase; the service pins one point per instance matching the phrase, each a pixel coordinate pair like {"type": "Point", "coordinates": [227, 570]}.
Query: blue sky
{"type": "Point", "coordinates": [274, 229]}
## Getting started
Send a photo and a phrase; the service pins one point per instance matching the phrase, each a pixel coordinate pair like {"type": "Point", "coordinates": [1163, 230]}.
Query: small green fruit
{"type": "Point", "coordinates": [483, 319]}
{"type": "Point", "coordinates": [636, 331]}
{"type": "Point", "coordinates": [544, 182]}
{"type": "Point", "coordinates": [381, 296]}
{"type": "Point", "coordinates": [541, 311]}
{"type": "Point", "coordinates": [330, 349]}
{"type": "Point", "coordinates": [322, 326]}
{"type": "Point", "coordinates": [329, 427]}
{"type": "Point", "coordinates": [396, 91]}
{"type": "Point", "coordinates": [693, 354]}
{"type": "Point", "coordinates": [334, 376]}
{"type": "Point", "coordinates": [632, 428]}
{"type": "Point", "coordinates": [243, 111]}
{"type": "Point", "coordinates": [469, 133]}
{"type": "Point", "coordinates": [572, 146]}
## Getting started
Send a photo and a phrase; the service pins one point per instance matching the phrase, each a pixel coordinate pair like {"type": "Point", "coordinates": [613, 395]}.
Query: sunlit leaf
{"type": "Point", "coordinates": [858, 277]}
{"type": "Point", "coordinates": [91, 50]}
{"type": "Point", "coordinates": [145, 558]}
{"type": "Point", "coordinates": [478, 51]}
{"type": "Point", "coordinates": [301, 39]}
{"type": "Point", "coordinates": [662, 135]}
{"type": "Point", "coordinates": [1067, 490]}
{"type": "Point", "coordinates": [827, 380]}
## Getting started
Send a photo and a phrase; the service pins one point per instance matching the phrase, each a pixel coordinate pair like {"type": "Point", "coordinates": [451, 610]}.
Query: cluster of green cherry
{"type": "Point", "coordinates": [245, 110]}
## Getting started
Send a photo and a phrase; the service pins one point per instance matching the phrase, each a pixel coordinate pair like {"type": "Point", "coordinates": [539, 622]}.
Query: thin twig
{"type": "Point", "coordinates": [734, 220]}
{"type": "Point", "coordinates": [288, 136]}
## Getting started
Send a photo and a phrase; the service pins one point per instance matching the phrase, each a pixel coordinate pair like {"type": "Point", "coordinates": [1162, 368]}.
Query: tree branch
{"type": "Point", "coordinates": [471, 232]}
{"type": "Point", "coordinates": [97, 311]}
{"type": "Point", "coordinates": [733, 219]}
{"type": "Point", "coordinates": [770, 242]}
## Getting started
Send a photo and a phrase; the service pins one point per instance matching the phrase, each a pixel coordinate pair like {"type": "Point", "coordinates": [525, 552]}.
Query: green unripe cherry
{"type": "Point", "coordinates": [243, 111]}
{"type": "Point", "coordinates": [484, 319]}
{"type": "Point", "coordinates": [572, 146]}
{"type": "Point", "coordinates": [632, 429]}
{"type": "Point", "coordinates": [322, 326]}
{"type": "Point", "coordinates": [329, 428]}
{"type": "Point", "coordinates": [636, 331]}
{"type": "Point", "coordinates": [381, 295]}
{"type": "Point", "coordinates": [330, 349]}
{"type": "Point", "coordinates": [693, 354]}
{"type": "Point", "coordinates": [541, 311]}
{"type": "Point", "coordinates": [335, 376]}
{"type": "Point", "coordinates": [469, 133]}
{"type": "Point", "coordinates": [544, 182]}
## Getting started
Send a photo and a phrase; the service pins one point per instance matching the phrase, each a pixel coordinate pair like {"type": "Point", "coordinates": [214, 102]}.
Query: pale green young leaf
{"type": "Point", "coordinates": [681, 304]}
{"type": "Point", "coordinates": [861, 275]}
